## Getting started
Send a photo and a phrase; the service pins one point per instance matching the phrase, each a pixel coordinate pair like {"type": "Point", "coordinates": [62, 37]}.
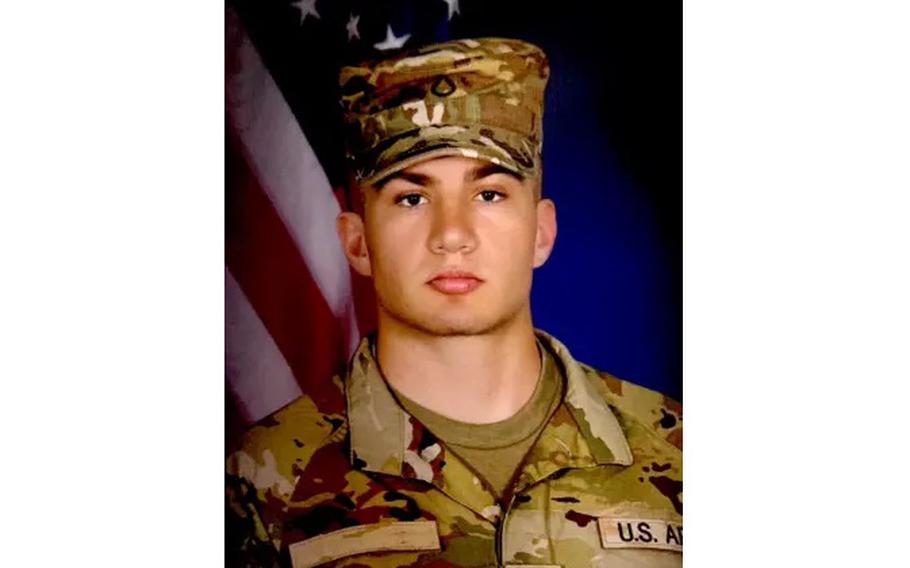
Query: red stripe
{"type": "Point", "coordinates": [267, 265]}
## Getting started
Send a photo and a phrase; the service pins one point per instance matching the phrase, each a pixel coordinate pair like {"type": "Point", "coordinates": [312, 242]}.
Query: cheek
{"type": "Point", "coordinates": [393, 246]}
{"type": "Point", "coordinates": [512, 243]}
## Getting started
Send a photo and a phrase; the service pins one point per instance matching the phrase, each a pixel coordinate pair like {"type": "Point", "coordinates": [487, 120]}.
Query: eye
{"type": "Point", "coordinates": [490, 196]}
{"type": "Point", "coordinates": [410, 200]}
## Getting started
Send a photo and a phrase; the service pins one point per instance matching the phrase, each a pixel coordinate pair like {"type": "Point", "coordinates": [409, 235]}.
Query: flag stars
{"type": "Point", "coordinates": [352, 27]}
{"type": "Point", "coordinates": [390, 41]}
{"type": "Point", "coordinates": [453, 8]}
{"type": "Point", "coordinates": [307, 8]}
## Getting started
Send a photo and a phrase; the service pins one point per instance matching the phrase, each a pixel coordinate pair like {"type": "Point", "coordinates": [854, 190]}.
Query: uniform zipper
{"type": "Point", "coordinates": [500, 531]}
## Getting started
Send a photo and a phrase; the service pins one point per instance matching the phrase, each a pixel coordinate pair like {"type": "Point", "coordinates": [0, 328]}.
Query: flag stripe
{"type": "Point", "coordinates": [270, 270]}
{"type": "Point", "coordinates": [288, 171]}
{"type": "Point", "coordinates": [252, 359]}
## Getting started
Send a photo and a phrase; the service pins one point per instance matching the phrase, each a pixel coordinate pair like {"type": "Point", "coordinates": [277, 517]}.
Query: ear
{"type": "Point", "coordinates": [546, 231]}
{"type": "Point", "coordinates": [353, 240]}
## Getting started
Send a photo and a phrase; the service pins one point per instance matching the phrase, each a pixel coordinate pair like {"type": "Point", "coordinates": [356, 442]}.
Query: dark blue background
{"type": "Point", "coordinates": [613, 164]}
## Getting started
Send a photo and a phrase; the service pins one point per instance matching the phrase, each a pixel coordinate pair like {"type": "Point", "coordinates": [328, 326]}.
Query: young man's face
{"type": "Point", "coordinates": [451, 244]}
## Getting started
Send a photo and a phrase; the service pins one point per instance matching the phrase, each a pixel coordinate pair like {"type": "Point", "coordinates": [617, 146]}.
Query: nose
{"type": "Point", "coordinates": [453, 229]}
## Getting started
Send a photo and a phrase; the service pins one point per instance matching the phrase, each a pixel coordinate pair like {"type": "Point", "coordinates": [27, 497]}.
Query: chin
{"type": "Point", "coordinates": [456, 328]}
{"type": "Point", "coordinates": [441, 324]}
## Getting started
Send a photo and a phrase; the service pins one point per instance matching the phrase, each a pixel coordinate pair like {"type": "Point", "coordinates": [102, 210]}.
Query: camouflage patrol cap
{"type": "Point", "coordinates": [480, 98]}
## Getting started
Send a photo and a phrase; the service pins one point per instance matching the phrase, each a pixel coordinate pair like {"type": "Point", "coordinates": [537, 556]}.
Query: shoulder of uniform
{"type": "Point", "coordinates": [655, 411]}
{"type": "Point", "coordinates": [274, 451]}
{"type": "Point", "coordinates": [261, 475]}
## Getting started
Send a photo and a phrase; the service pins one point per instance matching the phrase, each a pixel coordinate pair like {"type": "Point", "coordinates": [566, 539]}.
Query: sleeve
{"type": "Point", "coordinates": [260, 482]}
{"type": "Point", "coordinates": [252, 530]}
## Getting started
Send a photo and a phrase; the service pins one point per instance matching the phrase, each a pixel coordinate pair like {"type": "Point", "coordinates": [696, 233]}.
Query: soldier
{"type": "Point", "coordinates": [461, 435]}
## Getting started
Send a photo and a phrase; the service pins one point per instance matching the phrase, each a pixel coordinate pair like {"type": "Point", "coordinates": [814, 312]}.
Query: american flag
{"type": "Point", "coordinates": [294, 309]}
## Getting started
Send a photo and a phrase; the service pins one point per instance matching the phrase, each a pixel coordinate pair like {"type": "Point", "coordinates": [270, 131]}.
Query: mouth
{"type": "Point", "coordinates": [454, 282]}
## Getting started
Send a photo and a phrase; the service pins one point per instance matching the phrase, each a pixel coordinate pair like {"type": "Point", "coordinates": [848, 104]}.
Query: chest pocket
{"type": "Point", "coordinates": [594, 538]}
{"type": "Point", "coordinates": [402, 536]}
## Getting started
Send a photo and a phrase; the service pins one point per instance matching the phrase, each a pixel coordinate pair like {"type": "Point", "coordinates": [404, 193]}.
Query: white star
{"type": "Point", "coordinates": [352, 27]}
{"type": "Point", "coordinates": [390, 41]}
{"type": "Point", "coordinates": [453, 8]}
{"type": "Point", "coordinates": [307, 8]}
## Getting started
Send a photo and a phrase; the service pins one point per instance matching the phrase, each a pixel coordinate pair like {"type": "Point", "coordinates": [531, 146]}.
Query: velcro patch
{"type": "Point", "coordinates": [626, 532]}
{"type": "Point", "coordinates": [401, 536]}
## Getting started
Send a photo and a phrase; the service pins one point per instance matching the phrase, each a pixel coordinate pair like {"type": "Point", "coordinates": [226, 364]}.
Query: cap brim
{"type": "Point", "coordinates": [497, 146]}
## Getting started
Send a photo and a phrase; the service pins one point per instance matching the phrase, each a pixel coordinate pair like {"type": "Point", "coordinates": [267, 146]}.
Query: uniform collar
{"type": "Point", "coordinates": [586, 400]}
{"type": "Point", "coordinates": [384, 438]}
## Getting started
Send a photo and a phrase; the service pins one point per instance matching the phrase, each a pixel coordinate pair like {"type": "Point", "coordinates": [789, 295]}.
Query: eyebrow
{"type": "Point", "coordinates": [415, 178]}
{"type": "Point", "coordinates": [474, 174]}
{"type": "Point", "coordinates": [490, 169]}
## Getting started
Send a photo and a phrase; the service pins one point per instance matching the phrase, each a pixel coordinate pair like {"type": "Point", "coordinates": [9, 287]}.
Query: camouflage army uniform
{"type": "Point", "coordinates": [352, 480]}
{"type": "Point", "coordinates": [346, 477]}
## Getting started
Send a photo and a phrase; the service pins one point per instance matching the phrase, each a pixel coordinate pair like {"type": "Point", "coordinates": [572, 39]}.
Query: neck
{"type": "Point", "coordinates": [477, 379]}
